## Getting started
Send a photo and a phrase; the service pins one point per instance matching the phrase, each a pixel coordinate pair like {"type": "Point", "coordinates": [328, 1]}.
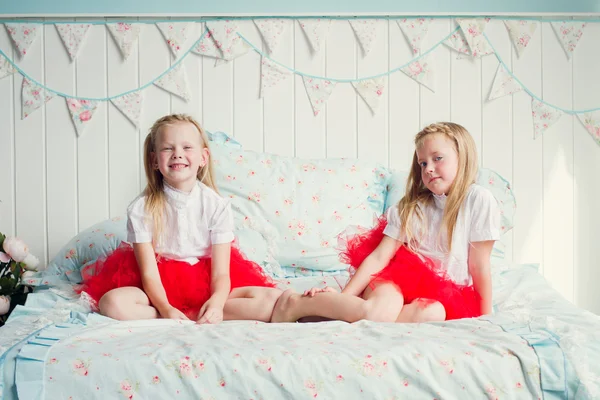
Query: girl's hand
{"type": "Point", "coordinates": [312, 292]}
{"type": "Point", "coordinates": [210, 313]}
{"type": "Point", "coordinates": [173, 313]}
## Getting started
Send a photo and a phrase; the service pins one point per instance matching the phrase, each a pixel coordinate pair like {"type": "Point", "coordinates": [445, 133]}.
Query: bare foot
{"type": "Point", "coordinates": [282, 312]}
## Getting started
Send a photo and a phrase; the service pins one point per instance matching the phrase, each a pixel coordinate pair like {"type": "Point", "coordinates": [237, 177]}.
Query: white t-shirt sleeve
{"type": "Point", "coordinates": [221, 223]}
{"type": "Point", "coordinates": [139, 228]}
{"type": "Point", "coordinates": [485, 217]}
{"type": "Point", "coordinates": [392, 229]}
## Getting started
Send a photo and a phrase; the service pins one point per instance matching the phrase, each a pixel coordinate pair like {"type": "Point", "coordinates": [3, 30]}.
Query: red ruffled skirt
{"type": "Point", "coordinates": [187, 286]}
{"type": "Point", "coordinates": [415, 276]}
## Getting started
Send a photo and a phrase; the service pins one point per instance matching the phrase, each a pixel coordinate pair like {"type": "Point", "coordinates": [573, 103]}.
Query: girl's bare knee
{"type": "Point", "coordinates": [110, 305]}
{"type": "Point", "coordinates": [429, 311]}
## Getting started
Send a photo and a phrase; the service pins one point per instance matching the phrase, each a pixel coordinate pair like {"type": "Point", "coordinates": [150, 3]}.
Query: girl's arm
{"type": "Point", "coordinates": [375, 262]}
{"type": "Point", "coordinates": [144, 254]}
{"type": "Point", "coordinates": [479, 268]}
{"type": "Point", "coordinates": [220, 284]}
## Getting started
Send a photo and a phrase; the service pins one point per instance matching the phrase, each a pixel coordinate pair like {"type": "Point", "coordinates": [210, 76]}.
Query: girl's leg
{"type": "Point", "coordinates": [126, 303]}
{"type": "Point", "coordinates": [251, 302]}
{"type": "Point", "coordinates": [422, 310]}
{"type": "Point", "coordinates": [382, 304]}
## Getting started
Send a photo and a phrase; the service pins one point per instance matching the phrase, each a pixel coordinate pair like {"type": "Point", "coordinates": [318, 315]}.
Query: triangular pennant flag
{"type": "Point", "coordinates": [23, 35]}
{"type": "Point", "coordinates": [371, 91]}
{"type": "Point", "coordinates": [6, 68]}
{"type": "Point", "coordinates": [271, 30]}
{"type": "Point", "coordinates": [316, 31]}
{"type": "Point", "coordinates": [176, 82]}
{"type": "Point", "coordinates": [421, 71]}
{"type": "Point", "coordinates": [504, 84]}
{"type": "Point", "coordinates": [366, 32]}
{"type": "Point", "coordinates": [472, 29]}
{"type": "Point", "coordinates": [175, 33]}
{"type": "Point", "coordinates": [270, 76]}
{"type": "Point", "coordinates": [223, 32]}
{"type": "Point", "coordinates": [520, 32]}
{"type": "Point", "coordinates": [591, 121]}
{"type": "Point", "coordinates": [457, 42]}
{"type": "Point", "coordinates": [569, 34]}
{"type": "Point", "coordinates": [318, 91]}
{"type": "Point", "coordinates": [33, 97]}
{"type": "Point", "coordinates": [82, 112]}
{"type": "Point", "coordinates": [72, 36]}
{"type": "Point", "coordinates": [125, 35]}
{"type": "Point", "coordinates": [238, 49]}
{"type": "Point", "coordinates": [207, 47]}
{"type": "Point", "coordinates": [544, 117]}
{"type": "Point", "coordinates": [130, 105]}
{"type": "Point", "coordinates": [415, 30]}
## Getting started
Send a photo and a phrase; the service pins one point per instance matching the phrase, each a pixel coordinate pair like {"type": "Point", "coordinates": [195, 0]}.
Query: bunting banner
{"type": "Point", "coordinates": [81, 112]}
{"type": "Point", "coordinates": [415, 30]}
{"type": "Point", "coordinates": [271, 30]}
{"type": "Point", "coordinates": [591, 122]}
{"type": "Point", "coordinates": [33, 97]}
{"type": "Point", "coordinates": [176, 82]}
{"type": "Point", "coordinates": [176, 34]}
{"type": "Point", "coordinates": [23, 36]}
{"type": "Point", "coordinates": [458, 42]}
{"type": "Point", "coordinates": [569, 33]}
{"type": "Point", "coordinates": [504, 84]}
{"type": "Point", "coordinates": [371, 91]}
{"type": "Point", "coordinates": [316, 31]}
{"type": "Point", "coordinates": [544, 117]}
{"type": "Point", "coordinates": [270, 75]}
{"type": "Point", "coordinates": [73, 35]}
{"type": "Point", "coordinates": [125, 36]}
{"type": "Point", "coordinates": [472, 29]}
{"type": "Point", "coordinates": [366, 32]}
{"type": "Point", "coordinates": [422, 72]}
{"type": "Point", "coordinates": [318, 91]}
{"type": "Point", "coordinates": [224, 34]}
{"type": "Point", "coordinates": [520, 32]}
{"type": "Point", "coordinates": [6, 67]}
{"type": "Point", "coordinates": [131, 106]}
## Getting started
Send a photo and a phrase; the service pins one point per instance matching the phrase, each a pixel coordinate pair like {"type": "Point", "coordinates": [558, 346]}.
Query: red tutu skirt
{"type": "Point", "coordinates": [187, 286]}
{"type": "Point", "coordinates": [415, 276]}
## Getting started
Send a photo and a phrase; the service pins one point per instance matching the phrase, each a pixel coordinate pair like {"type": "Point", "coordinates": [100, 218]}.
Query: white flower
{"type": "Point", "coordinates": [4, 304]}
{"type": "Point", "coordinates": [15, 248]}
{"type": "Point", "coordinates": [31, 263]}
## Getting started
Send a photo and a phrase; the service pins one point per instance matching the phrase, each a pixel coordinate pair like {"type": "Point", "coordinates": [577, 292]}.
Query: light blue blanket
{"type": "Point", "coordinates": [537, 345]}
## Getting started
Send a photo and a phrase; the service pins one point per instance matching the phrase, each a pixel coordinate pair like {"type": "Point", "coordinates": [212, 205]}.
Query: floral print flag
{"type": "Point", "coordinates": [316, 31]}
{"type": "Point", "coordinates": [366, 32]}
{"type": "Point", "coordinates": [23, 35]}
{"type": "Point", "coordinates": [176, 82]}
{"type": "Point", "coordinates": [125, 35]}
{"type": "Point", "coordinates": [33, 97]}
{"type": "Point", "coordinates": [271, 30]}
{"type": "Point", "coordinates": [224, 34]}
{"type": "Point", "coordinates": [72, 36]}
{"type": "Point", "coordinates": [82, 112]}
{"type": "Point", "coordinates": [270, 76]}
{"type": "Point", "coordinates": [176, 34]}
{"type": "Point", "coordinates": [318, 91]}
{"type": "Point", "coordinates": [130, 105]}
{"type": "Point", "coordinates": [6, 67]}
{"type": "Point", "coordinates": [472, 29]}
{"type": "Point", "coordinates": [458, 42]}
{"type": "Point", "coordinates": [371, 90]}
{"type": "Point", "coordinates": [591, 121]}
{"type": "Point", "coordinates": [569, 33]}
{"type": "Point", "coordinates": [504, 84]}
{"type": "Point", "coordinates": [421, 71]}
{"type": "Point", "coordinates": [544, 117]}
{"type": "Point", "coordinates": [415, 30]}
{"type": "Point", "coordinates": [520, 32]}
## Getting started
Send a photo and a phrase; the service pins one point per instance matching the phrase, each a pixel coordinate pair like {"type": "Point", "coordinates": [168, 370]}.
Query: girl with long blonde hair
{"type": "Point", "coordinates": [181, 264]}
{"type": "Point", "coordinates": [429, 257]}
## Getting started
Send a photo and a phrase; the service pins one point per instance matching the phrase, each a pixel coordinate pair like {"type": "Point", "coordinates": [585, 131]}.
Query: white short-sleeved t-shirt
{"type": "Point", "coordinates": [478, 220]}
{"type": "Point", "coordinates": [193, 222]}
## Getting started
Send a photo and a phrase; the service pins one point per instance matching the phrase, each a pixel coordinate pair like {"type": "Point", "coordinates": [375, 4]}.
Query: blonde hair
{"type": "Point", "coordinates": [154, 191]}
{"type": "Point", "coordinates": [417, 192]}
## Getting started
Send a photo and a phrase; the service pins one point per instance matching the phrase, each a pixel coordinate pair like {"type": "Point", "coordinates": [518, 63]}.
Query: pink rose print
{"type": "Point", "coordinates": [85, 116]}
{"type": "Point", "coordinates": [81, 367]}
{"type": "Point", "coordinates": [155, 380]}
